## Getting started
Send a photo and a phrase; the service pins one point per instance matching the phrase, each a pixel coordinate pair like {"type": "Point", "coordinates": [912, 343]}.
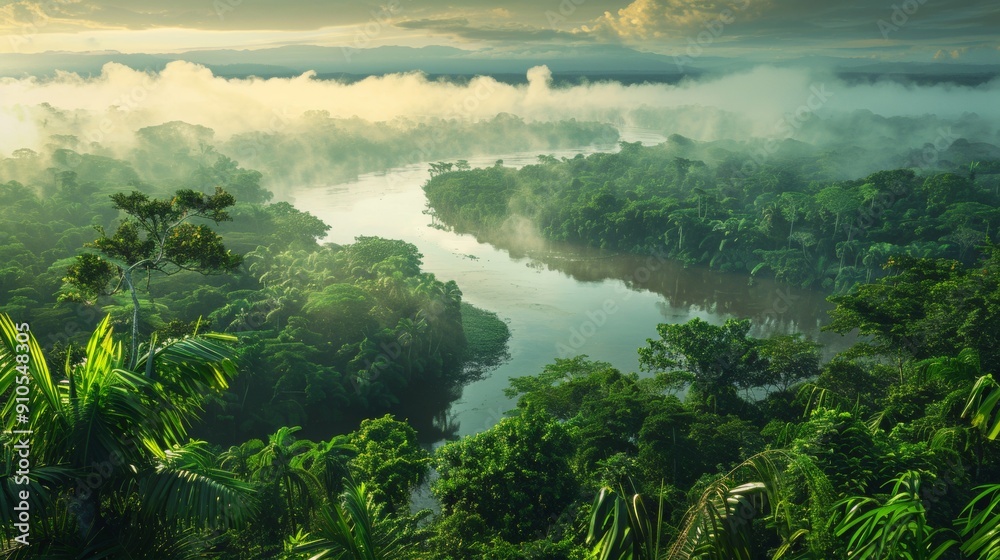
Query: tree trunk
{"type": "Point", "coordinates": [291, 507]}
{"type": "Point", "coordinates": [673, 451]}
{"type": "Point", "coordinates": [135, 319]}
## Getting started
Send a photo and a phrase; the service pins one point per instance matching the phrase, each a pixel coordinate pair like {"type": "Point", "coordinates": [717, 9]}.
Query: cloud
{"type": "Point", "coordinates": [46, 16]}
{"type": "Point", "coordinates": [18, 130]}
{"type": "Point", "coordinates": [122, 99]}
{"type": "Point", "coordinates": [873, 119]}
{"type": "Point", "coordinates": [28, 18]}
{"type": "Point", "coordinates": [755, 26]}
{"type": "Point", "coordinates": [655, 19]}
{"type": "Point", "coordinates": [509, 32]}
{"type": "Point", "coordinates": [953, 54]}
{"type": "Point", "coordinates": [794, 25]}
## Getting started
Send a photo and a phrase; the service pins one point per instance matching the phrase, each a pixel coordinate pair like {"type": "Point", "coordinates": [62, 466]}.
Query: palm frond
{"type": "Point", "coordinates": [980, 528]}
{"type": "Point", "coordinates": [964, 367]}
{"type": "Point", "coordinates": [355, 529]}
{"type": "Point", "coordinates": [43, 483]}
{"type": "Point", "coordinates": [719, 524]}
{"type": "Point", "coordinates": [195, 365]}
{"type": "Point", "coordinates": [983, 406]}
{"type": "Point", "coordinates": [187, 488]}
{"type": "Point", "coordinates": [611, 533]}
{"type": "Point", "coordinates": [896, 529]}
{"type": "Point", "coordinates": [45, 399]}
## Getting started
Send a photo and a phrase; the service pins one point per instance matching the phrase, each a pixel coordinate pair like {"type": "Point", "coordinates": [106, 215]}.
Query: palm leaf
{"type": "Point", "coordinates": [194, 365]}
{"type": "Point", "coordinates": [896, 529]}
{"type": "Point", "coordinates": [186, 488]}
{"type": "Point", "coordinates": [43, 483]}
{"type": "Point", "coordinates": [611, 533]}
{"type": "Point", "coordinates": [984, 406]}
{"type": "Point", "coordinates": [981, 529]}
{"type": "Point", "coordinates": [355, 529]}
{"type": "Point", "coordinates": [45, 397]}
{"type": "Point", "coordinates": [719, 524]}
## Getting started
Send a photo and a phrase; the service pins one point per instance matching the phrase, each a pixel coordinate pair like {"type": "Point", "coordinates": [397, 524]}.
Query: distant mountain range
{"type": "Point", "coordinates": [568, 63]}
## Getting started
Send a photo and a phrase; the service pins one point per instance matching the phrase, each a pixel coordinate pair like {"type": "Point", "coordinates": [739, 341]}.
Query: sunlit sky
{"type": "Point", "coordinates": [918, 30]}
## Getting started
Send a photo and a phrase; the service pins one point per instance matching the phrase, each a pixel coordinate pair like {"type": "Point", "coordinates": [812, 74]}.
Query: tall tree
{"type": "Point", "coordinates": [156, 236]}
{"type": "Point", "coordinates": [712, 359]}
{"type": "Point", "coordinates": [838, 201]}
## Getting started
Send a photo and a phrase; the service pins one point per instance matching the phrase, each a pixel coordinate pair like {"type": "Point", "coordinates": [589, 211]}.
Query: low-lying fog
{"type": "Point", "coordinates": [304, 130]}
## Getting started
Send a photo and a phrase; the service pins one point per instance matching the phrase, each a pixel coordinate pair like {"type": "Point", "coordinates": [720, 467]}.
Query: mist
{"type": "Point", "coordinates": [189, 92]}
{"type": "Point", "coordinates": [248, 118]}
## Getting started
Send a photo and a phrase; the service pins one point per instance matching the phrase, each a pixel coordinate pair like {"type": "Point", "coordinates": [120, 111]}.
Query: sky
{"type": "Point", "coordinates": [887, 30]}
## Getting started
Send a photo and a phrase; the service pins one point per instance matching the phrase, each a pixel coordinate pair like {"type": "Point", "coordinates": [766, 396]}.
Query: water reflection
{"type": "Point", "coordinates": [558, 300]}
{"type": "Point", "coordinates": [689, 291]}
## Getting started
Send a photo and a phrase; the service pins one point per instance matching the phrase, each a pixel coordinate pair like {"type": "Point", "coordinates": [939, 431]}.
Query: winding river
{"type": "Point", "coordinates": [558, 301]}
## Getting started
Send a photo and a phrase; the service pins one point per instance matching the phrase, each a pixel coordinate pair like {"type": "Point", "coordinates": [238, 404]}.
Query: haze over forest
{"type": "Point", "coordinates": [569, 279]}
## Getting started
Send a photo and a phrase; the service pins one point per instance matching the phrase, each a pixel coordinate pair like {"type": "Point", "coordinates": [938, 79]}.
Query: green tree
{"type": "Point", "coordinates": [838, 201]}
{"type": "Point", "coordinates": [279, 464]}
{"type": "Point", "coordinates": [945, 189]}
{"type": "Point", "coordinates": [226, 173]}
{"type": "Point", "coordinates": [605, 407]}
{"type": "Point", "coordinates": [726, 518]}
{"type": "Point", "coordinates": [793, 206]}
{"type": "Point", "coordinates": [713, 359]}
{"type": "Point", "coordinates": [156, 236]}
{"type": "Point", "coordinates": [516, 476]}
{"type": "Point", "coordinates": [389, 459]}
{"type": "Point", "coordinates": [929, 308]}
{"type": "Point", "coordinates": [789, 359]}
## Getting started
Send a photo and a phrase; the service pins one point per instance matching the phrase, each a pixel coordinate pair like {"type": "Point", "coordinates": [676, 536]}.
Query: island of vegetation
{"type": "Point", "coordinates": [798, 215]}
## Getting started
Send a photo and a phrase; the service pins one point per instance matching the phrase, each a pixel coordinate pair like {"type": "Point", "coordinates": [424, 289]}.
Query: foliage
{"type": "Point", "coordinates": [716, 360]}
{"type": "Point", "coordinates": [127, 431]}
{"type": "Point", "coordinates": [330, 334]}
{"type": "Point", "coordinates": [712, 359]}
{"type": "Point", "coordinates": [621, 529]}
{"type": "Point", "coordinates": [788, 216]}
{"type": "Point", "coordinates": [355, 528]}
{"type": "Point", "coordinates": [721, 522]}
{"type": "Point", "coordinates": [979, 526]}
{"type": "Point", "coordinates": [487, 337]}
{"type": "Point", "coordinates": [930, 307]}
{"type": "Point", "coordinates": [896, 529]}
{"type": "Point", "coordinates": [514, 476]}
{"type": "Point", "coordinates": [770, 444]}
{"type": "Point", "coordinates": [155, 237]}
{"type": "Point", "coordinates": [390, 459]}
{"type": "Point", "coordinates": [984, 406]}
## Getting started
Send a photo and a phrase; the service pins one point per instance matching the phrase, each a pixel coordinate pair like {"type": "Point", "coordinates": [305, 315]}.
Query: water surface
{"type": "Point", "coordinates": [559, 300]}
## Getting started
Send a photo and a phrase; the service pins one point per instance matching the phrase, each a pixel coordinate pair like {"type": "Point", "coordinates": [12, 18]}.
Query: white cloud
{"type": "Point", "coordinates": [747, 103]}
{"type": "Point", "coordinates": [655, 19]}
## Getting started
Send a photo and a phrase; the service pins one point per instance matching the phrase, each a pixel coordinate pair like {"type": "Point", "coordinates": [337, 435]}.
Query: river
{"type": "Point", "coordinates": [558, 301]}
